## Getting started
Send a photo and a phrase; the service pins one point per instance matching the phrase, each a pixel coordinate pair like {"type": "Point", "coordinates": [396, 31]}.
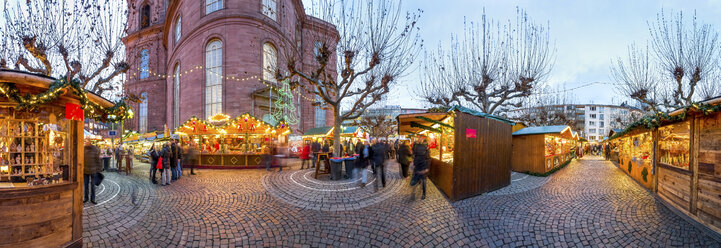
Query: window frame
{"type": "Point", "coordinates": [144, 63]}
{"type": "Point", "coordinates": [178, 28]}
{"type": "Point", "coordinates": [205, 6]}
{"type": "Point", "coordinates": [266, 55]}
{"type": "Point", "coordinates": [176, 95]}
{"type": "Point", "coordinates": [143, 113]}
{"type": "Point", "coordinates": [275, 9]}
{"type": "Point", "coordinates": [212, 102]}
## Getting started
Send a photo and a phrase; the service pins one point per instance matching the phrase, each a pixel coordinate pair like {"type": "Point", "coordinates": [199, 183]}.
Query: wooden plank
{"type": "Point", "coordinates": [37, 230]}
{"type": "Point", "coordinates": [694, 162]}
{"type": "Point", "coordinates": [24, 214]}
{"type": "Point", "coordinates": [61, 236]}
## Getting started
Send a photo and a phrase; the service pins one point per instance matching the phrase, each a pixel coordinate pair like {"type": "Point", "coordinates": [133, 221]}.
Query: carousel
{"type": "Point", "coordinates": [240, 142]}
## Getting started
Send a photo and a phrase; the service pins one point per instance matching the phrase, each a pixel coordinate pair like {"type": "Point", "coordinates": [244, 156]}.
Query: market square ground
{"type": "Point", "coordinates": [588, 203]}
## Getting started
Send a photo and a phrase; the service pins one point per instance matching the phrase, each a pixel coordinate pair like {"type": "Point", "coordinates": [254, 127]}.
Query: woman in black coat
{"type": "Point", "coordinates": [166, 154]}
{"type": "Point", "coordinates": [365, 153]}
{"type": "Point", "coordinates": [154, 155]}
{"type": "Point", "coordinates": [404, 157]}
{"type": "Point", "coordinates": [421, 164]}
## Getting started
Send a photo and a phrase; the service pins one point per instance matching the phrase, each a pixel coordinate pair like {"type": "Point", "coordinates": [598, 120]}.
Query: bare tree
{"type": "Point", "coordinates": [380, 126]}
{"type": "Point", "coordinates": [547, 107]}
{"type": "Point", "coordinates": [684, 62]}
{"type": "Point", "coordinates": [375, 45]}
{"type": "Point", "coordinates": [492, 66]}
{"type": "Point", "coordinates": [71, 39]}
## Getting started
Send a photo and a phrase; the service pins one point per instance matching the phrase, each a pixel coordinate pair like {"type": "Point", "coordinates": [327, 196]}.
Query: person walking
{"type": "Point", "coordinates": [166, 154]}
{"type": "Point", "coordinates": [173, 160]}
{"type": "Point", "coordinates": [119, 157]}
{"type": "Point", "coordinates": [305, 156]}
{"type": "Point", "coordinates": [180, 159]}
{"type": "Point", "coordinates": [128, 160]}
{"type": "Point", "coordinates": [190, 157]}
{"type": "Point", "coordinates": [315, 149]}
{"type": "Point", "coordinates": [326, 147]}
{"type": "Point", "coordinates": [269, 155]}
{"type": "Point", "coordinates": [154, 155]}
{"type": "Point", "coordinates": [421, 163]}
{"type": "Point", "coordinates": [365, 153]}
{"type": "Point", "coordinates": [404, 157]}
{"type": "Point", "coordinates": [379, 156]}
{"type": "Point", "coordinates": [90, 170]}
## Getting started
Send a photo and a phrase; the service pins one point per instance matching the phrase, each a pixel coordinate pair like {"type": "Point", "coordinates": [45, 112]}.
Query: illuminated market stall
{"type": "Point", "coordinates": [470, 151]}
{"type": "Point", "coordinates": [676, 155]}
{"type": "Point", "coordinates": [542, 149]}
{"type": "Point", "coordinates": [241, 142]}
{"type": "Point", "coordinates": [347, 134]}
{"type": "Point", "coordinates": [41, 157]}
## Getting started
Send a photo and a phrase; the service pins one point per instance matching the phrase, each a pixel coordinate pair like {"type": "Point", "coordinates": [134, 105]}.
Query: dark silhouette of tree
{"type": "Point", "coordinates": [374, 46]}
{"type": "Point", "coordinates": [379, 126]}
{"type": "Point", "coordinates": [67, 39]}
{"type": "Point", "coordinates": [685, 60]}
{"type": "Point", "coordinates": [492, 66]}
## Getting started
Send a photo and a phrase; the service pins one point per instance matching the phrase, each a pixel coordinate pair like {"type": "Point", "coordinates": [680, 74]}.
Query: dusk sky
{"type": "Point", "coordinates": [588, 35]}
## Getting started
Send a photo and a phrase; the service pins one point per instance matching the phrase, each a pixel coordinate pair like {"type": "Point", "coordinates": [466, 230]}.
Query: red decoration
{"type": "Point", "coordinates": [74, 112]}
{"type": "Point", "coordinates": [470, 133]}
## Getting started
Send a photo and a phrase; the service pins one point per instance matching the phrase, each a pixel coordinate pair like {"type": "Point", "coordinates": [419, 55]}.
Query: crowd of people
{"type": "Point", "coordinates": [375, 154]}
{"type": "Point", "coordinates": [169, 160]}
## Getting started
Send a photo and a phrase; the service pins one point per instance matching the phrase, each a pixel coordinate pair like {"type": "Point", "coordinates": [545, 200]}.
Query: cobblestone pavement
{"type": "Point", "coordinates": [588, 203]}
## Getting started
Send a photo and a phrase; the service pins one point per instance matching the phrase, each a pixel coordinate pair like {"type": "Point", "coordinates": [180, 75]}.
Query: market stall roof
{"type": "Point", "coordinates": [326, 131]}
{"type": "Point", "coordinates": [42, 81]}
{"type": "Point", "coordinates": [222, 124]}
{"type": "Point", "coordinates": [563, 130]}
{"type": "Point", "coordinates": [614, 131]}
{"type": "Point", "coordinates": [418, 122]}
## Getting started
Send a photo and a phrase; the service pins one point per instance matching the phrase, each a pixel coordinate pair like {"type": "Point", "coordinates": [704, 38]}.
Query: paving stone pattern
{"type": "Point", "coordinates": [588, 203]}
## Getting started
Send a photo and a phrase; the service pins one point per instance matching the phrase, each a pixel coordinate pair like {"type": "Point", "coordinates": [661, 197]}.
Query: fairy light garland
{"type": "Point", "coordinates": [118, 112]}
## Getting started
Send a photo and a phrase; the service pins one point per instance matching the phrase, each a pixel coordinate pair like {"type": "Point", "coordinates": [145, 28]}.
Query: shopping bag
{"type": "Point", "coordinates": [98, 178]}
{"type": "Point", "coordinates": [160, 163]}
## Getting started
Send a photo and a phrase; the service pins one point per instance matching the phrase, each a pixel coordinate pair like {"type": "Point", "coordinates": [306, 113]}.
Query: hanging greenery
{"type": "Point", "coordinates": [118, 112]}
{"type": "Point", "coordinates": [661, 118]}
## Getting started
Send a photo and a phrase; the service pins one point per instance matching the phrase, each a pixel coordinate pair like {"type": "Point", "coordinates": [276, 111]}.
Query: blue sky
{"type": "Point", "coordinates": [588, 35]}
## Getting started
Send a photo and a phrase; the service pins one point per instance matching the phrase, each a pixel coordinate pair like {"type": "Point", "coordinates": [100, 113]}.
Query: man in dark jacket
{"type": "Point", "coordinates": [421, 164]}
{"type": "Point", "coordinates": [326, 147]}
{"type": "Point", "coordinates": [315, 149]}
{"type": "Point", "coordinates": [379, 157]}
{"type": "Point", "coordinates": [365, 153]}
{"type": "Point", "coordinates": [174, 160]}
{"type": "Point", "coordinates": [165, 154]}
{"type": "Point", "coordinates": [404, 157]}
{"type": "Point", "coordinates": [91, 169]}
{"type": "Point", "coordinates": [154, 155]}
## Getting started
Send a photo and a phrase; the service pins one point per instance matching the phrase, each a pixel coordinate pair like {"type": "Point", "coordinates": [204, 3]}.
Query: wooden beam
{"type": "Point", "coordinates": [693, 156]}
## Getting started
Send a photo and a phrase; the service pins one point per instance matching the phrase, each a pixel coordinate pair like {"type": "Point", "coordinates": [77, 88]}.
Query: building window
{"type": "Point", "coordinates": [600, 109]}
{"type": "Point", "coordinates": [145, 16]}
{"type": "Point", "coordinates": [143, 113]}
{"type": "Point", "coordinates": [592, 116]}
{"type": "Point", "coordinates": [316, 48]}
{"type": "Point", "coordinates": [144, 64]}
{"type": "Point", "coordinates": [592, 130]}
{"type": "Point", "coordinates": [319, 113]}
{"type": "Point", "coordinates": [270, 62]}
{"type": "Point", "coordinates": [593, 108]}
{"type": "Point", "coordinates": [178, 27]}
{"type": "Point", "coordinates": [269, 8]}
{"type": "Point", "coordinates": [591, 123]}
{"type": "Point", "coordinates": [176, 96]}
{"type": "Point", "coordinates": [600, 116]}
{"type": "Point", "coordinates": [600, 124]}
{"type": "Point", "coordinates": [213, 5]}
{"type": "Point", "coordinates": [213, 78]}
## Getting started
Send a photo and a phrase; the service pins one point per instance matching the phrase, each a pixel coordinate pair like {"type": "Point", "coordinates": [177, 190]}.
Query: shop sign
{"type": "Point", "coordinates": [74, 112]}
{"type": "Point", "coordinates": [470, 133]}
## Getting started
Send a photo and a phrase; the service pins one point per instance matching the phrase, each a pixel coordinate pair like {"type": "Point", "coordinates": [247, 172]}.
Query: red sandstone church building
{"type": "Point", "coordinates": [203, 57]}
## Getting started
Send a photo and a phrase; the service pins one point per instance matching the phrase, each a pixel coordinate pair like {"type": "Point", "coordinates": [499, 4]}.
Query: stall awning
{"type": "Point", "coordinates": [318, 131]}
{"type": "Point", "coordinates": [562, 130]}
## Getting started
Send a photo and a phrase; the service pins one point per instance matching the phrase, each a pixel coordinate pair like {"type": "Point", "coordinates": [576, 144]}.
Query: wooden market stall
{"type": "Point", "coordinates": [542, 149]}
{"type": "Point", "coordinates": [470, 151]}
{"type": "Point", "coordinates": [681, 156]}
{"type": "Point", "coordinates": [348, 133]}
{"type": "Point", "coordinates": [41, 158]}
{"type": "Point", "coordinates": [241, 142]}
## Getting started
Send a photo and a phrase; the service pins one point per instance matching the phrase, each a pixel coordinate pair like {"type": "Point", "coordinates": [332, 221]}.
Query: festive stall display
{"type": "Point", "coordinates": [348, 134]}
{"type": "Point", "coordinates": [470, 151]}
{"type": "Point", "coordinates": [41, 157]}
{"type": "Point", "coordinates": [222, 142]}
{"type": "Point", "coordinates": [675, 155]}
{"type": "Point", "coordinates": [541, 150]}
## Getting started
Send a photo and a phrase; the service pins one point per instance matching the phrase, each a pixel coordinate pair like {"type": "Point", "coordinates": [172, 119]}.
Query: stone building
{"type": "Point", "coordinates": [199, 58]}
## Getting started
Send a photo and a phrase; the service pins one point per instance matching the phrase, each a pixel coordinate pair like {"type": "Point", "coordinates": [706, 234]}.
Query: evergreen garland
{"type": "Point", "coordinates": [118, 112]}
{"type": "Point", "coordinates": [660, 118]}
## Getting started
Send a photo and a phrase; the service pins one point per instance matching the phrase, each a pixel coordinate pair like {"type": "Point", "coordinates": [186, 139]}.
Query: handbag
{"type": "Point", "coordinates": [160, 163]}
{"type": "Point", "coordinates": [98, 178]}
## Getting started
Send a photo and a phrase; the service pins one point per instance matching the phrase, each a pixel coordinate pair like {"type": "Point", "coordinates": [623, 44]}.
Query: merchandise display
{"type": "Point", "coordinates": [674, 142]}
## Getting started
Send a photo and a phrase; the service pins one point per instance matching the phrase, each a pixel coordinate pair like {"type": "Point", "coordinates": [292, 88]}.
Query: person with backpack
{"type": "Point", "coordinates": [165, 155]}
{"type": "Point", "coordinates": [421, 164]}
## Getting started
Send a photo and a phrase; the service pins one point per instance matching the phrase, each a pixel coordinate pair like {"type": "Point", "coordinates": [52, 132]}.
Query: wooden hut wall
{"type": "Point", "coordinates": [630, 157]}
{"type": "Point", "coordinates": [528, 153]}
{"type": "Point", "coordinates": [674, 179]}
{"type": "Point", "coordinates": [481, 163]}
{"type": "Point", "coordinates": [708, 190]}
